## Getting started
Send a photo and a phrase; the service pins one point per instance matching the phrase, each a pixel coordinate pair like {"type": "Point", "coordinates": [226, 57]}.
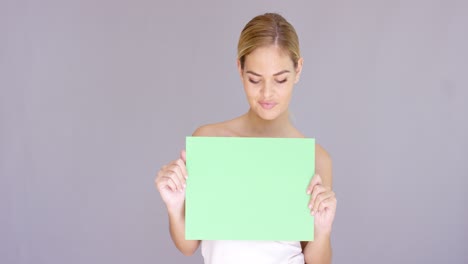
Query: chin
{"type": "Point", "coordinates": [267, 115]}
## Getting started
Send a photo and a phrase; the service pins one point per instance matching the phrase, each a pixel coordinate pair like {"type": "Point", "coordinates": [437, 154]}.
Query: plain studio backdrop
{"type": "Point", "coordinates": [97, 95]}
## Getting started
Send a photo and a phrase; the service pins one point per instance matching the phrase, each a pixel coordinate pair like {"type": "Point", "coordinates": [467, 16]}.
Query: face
{"type": "Point", "coordinates": [269, 76]}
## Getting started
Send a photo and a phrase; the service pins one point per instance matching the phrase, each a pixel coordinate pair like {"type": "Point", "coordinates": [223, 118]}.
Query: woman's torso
{"type": "Point", "coordinates": [258, 252]}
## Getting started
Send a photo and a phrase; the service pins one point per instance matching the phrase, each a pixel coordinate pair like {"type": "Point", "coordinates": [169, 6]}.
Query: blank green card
{"type": "Point", "coordinates": [242, 188]}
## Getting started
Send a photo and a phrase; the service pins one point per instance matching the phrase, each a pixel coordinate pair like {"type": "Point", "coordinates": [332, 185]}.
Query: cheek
{"type": "Point", "coordinates": [286, 91]}
{"type": "Point", "coordinates": [250, 90]}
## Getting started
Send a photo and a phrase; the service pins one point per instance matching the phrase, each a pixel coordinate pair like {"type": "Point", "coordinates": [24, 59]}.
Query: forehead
{"type": "Point", "coordinates": [269, 59]}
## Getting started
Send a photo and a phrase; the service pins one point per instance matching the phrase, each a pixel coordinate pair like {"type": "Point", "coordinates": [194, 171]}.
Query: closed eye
{"type": "Point", "coordinates": [282, 81]}
{"type": "Point", "coordinates": [254, 82]}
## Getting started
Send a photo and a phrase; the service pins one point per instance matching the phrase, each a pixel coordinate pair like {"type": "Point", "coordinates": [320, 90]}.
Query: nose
{"type": "Point", "coordinates": [267, 90]}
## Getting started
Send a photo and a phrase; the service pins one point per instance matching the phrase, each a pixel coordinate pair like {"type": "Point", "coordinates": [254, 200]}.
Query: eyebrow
{"type": "Point", "coordinates": [276, 74]}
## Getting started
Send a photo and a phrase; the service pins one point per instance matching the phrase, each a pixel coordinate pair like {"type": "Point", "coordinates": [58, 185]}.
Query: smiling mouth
{"type": "Point", "coordinates": [267, 105]}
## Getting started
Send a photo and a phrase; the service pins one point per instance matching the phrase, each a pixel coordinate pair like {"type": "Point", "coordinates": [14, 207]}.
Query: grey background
{"type": "Point", "coordinates": [97, 95]}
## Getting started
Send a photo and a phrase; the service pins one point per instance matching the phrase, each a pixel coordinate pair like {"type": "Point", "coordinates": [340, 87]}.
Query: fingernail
{"type": "Point", "coordinates": [310, 206]}
{"type": "Point", "coordinates": [308, 191]}
{"type": "Point", "coordinates": [312, 213]}
{"type": "Point", "coordinates": [185, 185]}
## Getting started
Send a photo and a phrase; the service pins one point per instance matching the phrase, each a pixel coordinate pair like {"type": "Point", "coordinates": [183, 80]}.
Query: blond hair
{"type": "Point", "coordinates": [265, 30]}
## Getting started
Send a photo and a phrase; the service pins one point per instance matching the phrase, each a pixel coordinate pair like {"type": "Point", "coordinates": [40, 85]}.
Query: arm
{"type": "Point", "coordinates": [170, 182]}
{"type": "Point", "coordinates": [319, 250]}
{"type": "Point", "coordinates": [177, 231]}
{"type": "Point", "coordinates": [323, 206]}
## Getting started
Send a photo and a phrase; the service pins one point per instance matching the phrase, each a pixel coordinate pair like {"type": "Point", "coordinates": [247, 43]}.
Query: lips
{"type": "Point", "coordinates": [267, 105]}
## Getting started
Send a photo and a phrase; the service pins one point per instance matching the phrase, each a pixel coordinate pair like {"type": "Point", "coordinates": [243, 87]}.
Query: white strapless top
{"type": "Point", "coordinates": [245, 252]}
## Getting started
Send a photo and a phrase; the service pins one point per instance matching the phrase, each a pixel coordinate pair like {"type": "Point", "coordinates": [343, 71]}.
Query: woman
{"type": "Point", "coordinates": [269, 65]}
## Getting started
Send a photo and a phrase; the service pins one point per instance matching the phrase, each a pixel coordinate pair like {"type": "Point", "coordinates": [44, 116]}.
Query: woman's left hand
{"type": "Point", "coordinates": [322, 205]}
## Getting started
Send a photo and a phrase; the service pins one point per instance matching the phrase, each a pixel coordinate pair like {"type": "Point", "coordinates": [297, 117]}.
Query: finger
{"type": "Point", "coordinates": [318, 189]}
{"type": "Point", "coordinates": [323, 207]}
{"type": "Point", "coordinates": [320, 199]}
{"type": "Point", "coordinates": [316, 179]}
{"type": "Point", "coordinates": [162, 169]}
{"type": "Point", "coordinates": [183, 155]}
{"type": "Point", "coordinates": [178, 171]}
{"type": "Point", "coordinates": [166, 182]}
{"type": "Point", "coordinates": [183, 168]}
{"type": "Point", "coordinates": [327, 204]}
{"type": "Point", "coordinates": [156, 181]}
{"type": "Point", "coordinates": [173, 175]}
{"type": "Point", "coordinates": [159, 175]}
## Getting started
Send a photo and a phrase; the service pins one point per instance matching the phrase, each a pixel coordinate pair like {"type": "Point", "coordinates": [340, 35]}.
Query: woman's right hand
{"type": "Point", "coordinates": [170, 182]}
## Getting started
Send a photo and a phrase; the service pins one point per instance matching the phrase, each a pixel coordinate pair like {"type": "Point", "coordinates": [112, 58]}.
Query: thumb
{"type": "Point", "coordinates": [183, 155]}
{"type": "Point", "coordinates": [316, 179]}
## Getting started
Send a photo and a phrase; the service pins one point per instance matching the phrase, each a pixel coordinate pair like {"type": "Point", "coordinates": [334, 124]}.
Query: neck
{"type": "Point", "coordinates": [277, 127]}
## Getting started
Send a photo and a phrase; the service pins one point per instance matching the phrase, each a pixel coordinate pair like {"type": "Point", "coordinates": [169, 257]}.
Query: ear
{"type": "Point", "coordinates": [299, 69]}
{"type": "Point", "coordinates": [239, 69]}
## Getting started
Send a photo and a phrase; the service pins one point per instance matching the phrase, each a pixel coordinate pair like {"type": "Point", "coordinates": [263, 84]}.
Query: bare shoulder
{"type": "Point", "coordinates": [205, 131]}
{"type": "Point", "coordinates": [222, 129]}
{"type": "Point", "coordinates": [323, 164]}
{"type": "Point", "coordinates": [321, 155]}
